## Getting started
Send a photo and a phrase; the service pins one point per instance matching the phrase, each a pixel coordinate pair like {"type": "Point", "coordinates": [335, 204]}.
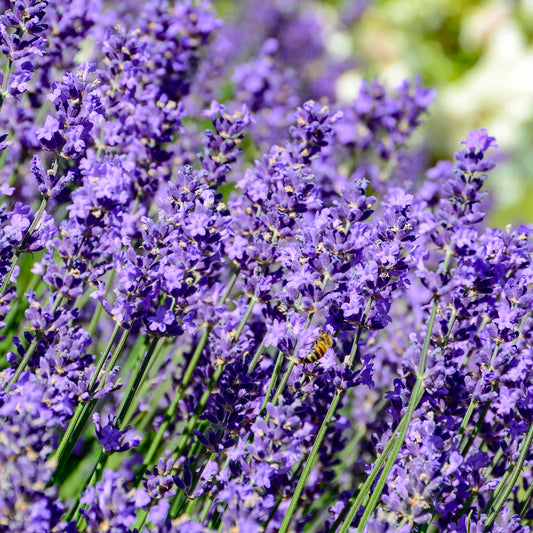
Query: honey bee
{"type": "Point", "coordinates": [324, 341]}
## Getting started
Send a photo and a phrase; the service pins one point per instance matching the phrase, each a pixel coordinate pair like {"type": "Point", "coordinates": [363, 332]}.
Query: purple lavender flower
{"type": "Point", "coordinates": [109, 504]}
{"type": "Point", "coordinates": [113, 439]}
{"type": "Point", "coordinates": [180, 278]}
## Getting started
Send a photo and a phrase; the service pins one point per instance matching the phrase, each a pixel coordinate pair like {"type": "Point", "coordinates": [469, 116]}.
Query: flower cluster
{"type": "Point", "coordinates": [273, 317]}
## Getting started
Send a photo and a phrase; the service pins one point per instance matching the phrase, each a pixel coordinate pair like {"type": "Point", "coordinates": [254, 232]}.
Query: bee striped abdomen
{"type": "Point", "coordinates": [324, 341]}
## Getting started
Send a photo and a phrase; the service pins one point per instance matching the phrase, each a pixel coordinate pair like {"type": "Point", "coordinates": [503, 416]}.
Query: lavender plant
{"type": "Point", "coordinates": [229, 304]}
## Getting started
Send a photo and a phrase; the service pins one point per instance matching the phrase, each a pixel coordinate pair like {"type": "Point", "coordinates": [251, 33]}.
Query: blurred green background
{"type": "Point", "coordinates": [479, 57]}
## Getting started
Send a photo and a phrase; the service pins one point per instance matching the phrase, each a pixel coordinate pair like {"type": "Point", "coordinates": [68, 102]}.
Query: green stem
{"type": "Point", "coordinates": [287, 373]}
{"type": "Point", "coordinates": [184, 439]}
{"type": "Point", "coordinates": [501, 492]}
{"type": "Point", "coordinates": [465, 446]}
{"type": "Point", "coordinates": [257, 355]}
{"type": "Point", "coordinates": [464, 449]}
{"type": "Point", "coordinates": [32, 347]}
{"type": "Point", "coordinates": [6, 73]}
{"type": "Point", "coordinates": [33, 225]}
{"type": "Point", "coordinates": [320, 436]}
{"type": "Point", "coordinates": [492, 499]}
{"type": "Point", "coordinates": [209, 498]}
{"type": "Point", "coordinates": [425, 349]}
{"type": "Point", "coordinates": [91, 480]}
{"type": "Point", "coordinates": [196, 450]}
{"type": "Point", "coordinates": [524, 504]}
{"type": "Point", "coordinates": [230, 286]}
{"type": "Point", "coordinates": [451, 322]}
{"type": "Point", "coordinates": [355, 344]}
{"type": "Point", "coordinates": [205, 510]}
{"type": "Point", "coordinates": [144, 418]}
{"type": "Point", "coordinates": [273, 378]}
{"type": "Point", "coordinates": [153, 369]}
{"type": "Point", "coordinates": [413, 402]}
{"type": "Point", "coordinates": [141, 522]}
{"type": "Point", "coordinates": [376, 493]}
{"type": "Point", "coordinates": [214, 381]}
{"type": "Point", "coordinates": [70, 438]}
{"type": "Point", "coordinates": [114, 358]}
{"type": "Point", "coordinates": [363, 490]}
{"type": "Point", "coordinates": [251, 304]}
{"type": "Point", "coordinates": [133, 386]}
{"type": "Point", "coordinates": [310, 462]}
{"type": "Point", "coordinates": [24, 240]}
{"type": "Point", "coordinates": [136, 353]}
{"type": "Point", "coordinates": [190, 506]}
{"type": "Point", "coordinates": [98, 311]}
{"type": "Point", "coordinates": [192, 500]}
{"type": "Point", "coordinates": [468, 503]}
{"type": "Point", "coordinates": [171, 410]}
{"type": "Point", "coordinates": [292, 361]}
{"type": "Point", "coordinates": [27, 356]}
{"type": "Point", "coordinates": [322, 432]}
{"type": "Point", "coordinates": [466, 418]}
{"type": "Point", "coordinates": [15, 317]}
{"type": "Point", "coordinates": [102, 359]}
{"type": "Point", "coordinates": [83, 412]}
{"type": "Point", "coordinates": [497, 456]}
{"type": "Point", "coordinates": [219, 525]}
{"type": "Point", "coordinates": [197, 412]}
{"type": "Point", "coordinates": [214, 522]}
{"type": "Point", "coordinates": [284, 380]}
{"type": "Point", "coordinates": [473, 401]}
{"type": "Point", "coordinates": [297, 473]}
{"type": "Point", "coordinates": [190, 368]}
{"type": "Point", "coordinates": [134, 383]}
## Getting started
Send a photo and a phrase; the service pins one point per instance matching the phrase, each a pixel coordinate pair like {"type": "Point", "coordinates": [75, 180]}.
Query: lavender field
{"type": "Point", "coordinates": [232, 301]}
